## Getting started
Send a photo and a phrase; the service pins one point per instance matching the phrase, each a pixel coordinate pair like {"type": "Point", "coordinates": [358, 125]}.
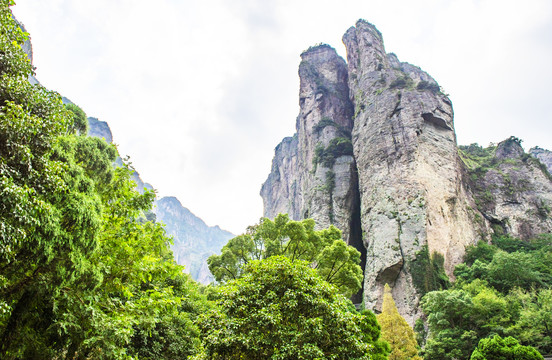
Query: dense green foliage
{"type": "Point", "coordinates": [82, 274]}
{"type": "Point", "coordinates": [428, 273]}
{"type": "Point", "coordinates": [497, 348]}
{"type": "Point", "coordinates": [502, 289]}
{"type": "Point", "coordinates": [80, 122]}
{"type": "Point", "coordinates": [282, 309]}
{"type": "Point", "coordinates": [86, 272]}
{"type": "Point", "coordinates": [335, 261]}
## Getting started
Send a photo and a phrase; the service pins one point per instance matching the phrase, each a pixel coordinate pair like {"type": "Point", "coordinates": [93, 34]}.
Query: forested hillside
{"type": "Point", "coordinates": [503, 288]}
{"type": "Point", "coordinates": [86, 272]}
{"type": "Point", "coordinates": [82, 273]}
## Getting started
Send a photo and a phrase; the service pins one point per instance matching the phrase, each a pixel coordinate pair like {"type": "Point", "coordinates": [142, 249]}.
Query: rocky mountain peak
{"type": "Point", "coordinates": [375, 154]}
{"type": "Point", "coordinates": [313, 173]}
{"type": "Point", "coordinates": [368, 40]}
{"type": "Point", "coordinates": [319, 53]}
{"type": "Point", "coordinates": [509, 149]}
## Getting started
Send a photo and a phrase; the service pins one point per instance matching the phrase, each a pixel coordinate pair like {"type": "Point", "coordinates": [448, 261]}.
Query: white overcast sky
{"type": "Point", "coordinates": [199, 92]}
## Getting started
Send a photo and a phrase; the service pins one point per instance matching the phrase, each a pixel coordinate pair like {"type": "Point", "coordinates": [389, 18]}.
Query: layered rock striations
{"type": "Point", "coordinates": [410, 177]}
{"type": "Point", "coordinates": [375, 154]}
{"type": "Point", "coordinates": [314, 173]}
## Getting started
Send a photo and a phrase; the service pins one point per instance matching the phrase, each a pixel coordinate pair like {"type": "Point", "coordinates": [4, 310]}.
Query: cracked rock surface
{"type": "Point", "coordinates": [375, 154]}
{"type": "Point", "coordinates": [302, 183]}
{"type": "Point", "coordinates": [409, 172]}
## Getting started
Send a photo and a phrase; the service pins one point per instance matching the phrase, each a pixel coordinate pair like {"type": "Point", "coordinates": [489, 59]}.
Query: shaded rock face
{"type": "Point", "coordinates": [314, 173]}
{"type": "Point", "coordinates": [518, 192]}
{"type": "Point", "coordinates": [375, 154]}
{"type": "Point", "coordinates": [99, 129]}
{"type": "Point", "coordinates": [544, 156]}
{"type": "Point", "coordinates": [194, 241]}
{"type": "Point", "coordinates": [280, 192]}
{"type": "Point", "coordinates": [397, 186]}
{"type": "Point", "coordinates": [410, 177]}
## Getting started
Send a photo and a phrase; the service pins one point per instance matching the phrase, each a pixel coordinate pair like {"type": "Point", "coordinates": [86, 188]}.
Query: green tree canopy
{"type": "Point", "coordinates": [82, 276]}
{"type": "Point", "coordinates": [497, 348]}
{"type": "Point", "coordinates": [80, 122]}
{"type": "Point", "coordinates": [335, 261]}
{"type": "Point", "coordinates": [502, 289]}
{"type": "Point", "coordinates": [282, 309]}
{"type": "Point", "coordinates": [396, 331]}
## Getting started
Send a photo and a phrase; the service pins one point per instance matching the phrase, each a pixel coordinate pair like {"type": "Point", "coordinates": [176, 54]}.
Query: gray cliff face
{"type": "Point", "coordinates": [410, 177]}
{"type": "Point", "coordinates": [517, 197]}
{"type": "Point", "coordinates": [544, 156]}
{"type": "Point", "coordinates": [400, 185]}
{"type": "Point", "coordinates": [313, 173]}
{"type": "Point", "coordinates": [99, 129]}
{"type": "Point", "coordinates": [280, 192]}
{"type": "Point", "coordinates": [194, 241]}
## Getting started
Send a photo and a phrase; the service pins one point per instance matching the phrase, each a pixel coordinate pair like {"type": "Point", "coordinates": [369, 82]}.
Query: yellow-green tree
{"type": "Point", "coordinates": [396, 331]}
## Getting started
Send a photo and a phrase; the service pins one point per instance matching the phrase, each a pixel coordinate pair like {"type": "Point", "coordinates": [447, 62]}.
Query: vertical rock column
{"type": "Point", "coordinates": [409, 171]}
{"type": "Point", "coordinates": [313, 173]}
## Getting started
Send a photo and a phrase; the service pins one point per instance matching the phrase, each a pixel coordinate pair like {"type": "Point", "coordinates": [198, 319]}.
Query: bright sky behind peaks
{"type": "Point", "coordinates": [199, 93]}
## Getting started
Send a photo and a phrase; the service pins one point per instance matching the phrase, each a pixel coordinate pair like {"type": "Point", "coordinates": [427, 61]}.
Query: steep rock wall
{"type": "Point", "coordinates": [313, 173]}
{"type": "Point", "coordinates": [280, 191]}
{"type": "Point", "coordinates": [406, 191]}
{"type": "Point", "coordinates": [410, 176]}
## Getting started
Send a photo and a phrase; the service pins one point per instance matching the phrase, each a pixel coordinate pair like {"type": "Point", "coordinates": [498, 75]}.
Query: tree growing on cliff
{"type": "Point", "coordinates": [282, 309]}
{"type": "Point", "coordinates": [335, 261]}
{"type": "Point", "coordinates": [396, 331]}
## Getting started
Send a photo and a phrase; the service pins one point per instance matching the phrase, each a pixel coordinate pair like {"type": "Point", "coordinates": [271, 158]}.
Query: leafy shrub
{"type": "Point", "coordinates": [338, 146]}
{"type": "Point", "coordinates": [497, 348]}
{"type": "Point", "coordinates": [401, 82]}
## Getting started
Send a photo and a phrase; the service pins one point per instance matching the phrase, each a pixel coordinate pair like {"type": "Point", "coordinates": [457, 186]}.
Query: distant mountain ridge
{"type": "Point", "coordinates": [194, 241]}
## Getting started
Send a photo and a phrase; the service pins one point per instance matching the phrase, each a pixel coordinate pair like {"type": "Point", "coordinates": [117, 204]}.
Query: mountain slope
{"type": "Point", "coordinates": [194, 241]}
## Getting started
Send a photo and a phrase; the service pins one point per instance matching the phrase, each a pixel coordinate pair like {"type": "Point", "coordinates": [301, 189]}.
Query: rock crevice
{"type": "Point", "coordinates": [375, 154]}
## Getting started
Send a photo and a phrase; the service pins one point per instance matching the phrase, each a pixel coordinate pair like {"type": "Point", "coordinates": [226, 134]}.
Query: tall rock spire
{"type": "Point", "coordinates": [375, 154]}
{"type": "Point", "coordinates": [313, 174]}
{"type": "Point", "coordinates": [410, 177]}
